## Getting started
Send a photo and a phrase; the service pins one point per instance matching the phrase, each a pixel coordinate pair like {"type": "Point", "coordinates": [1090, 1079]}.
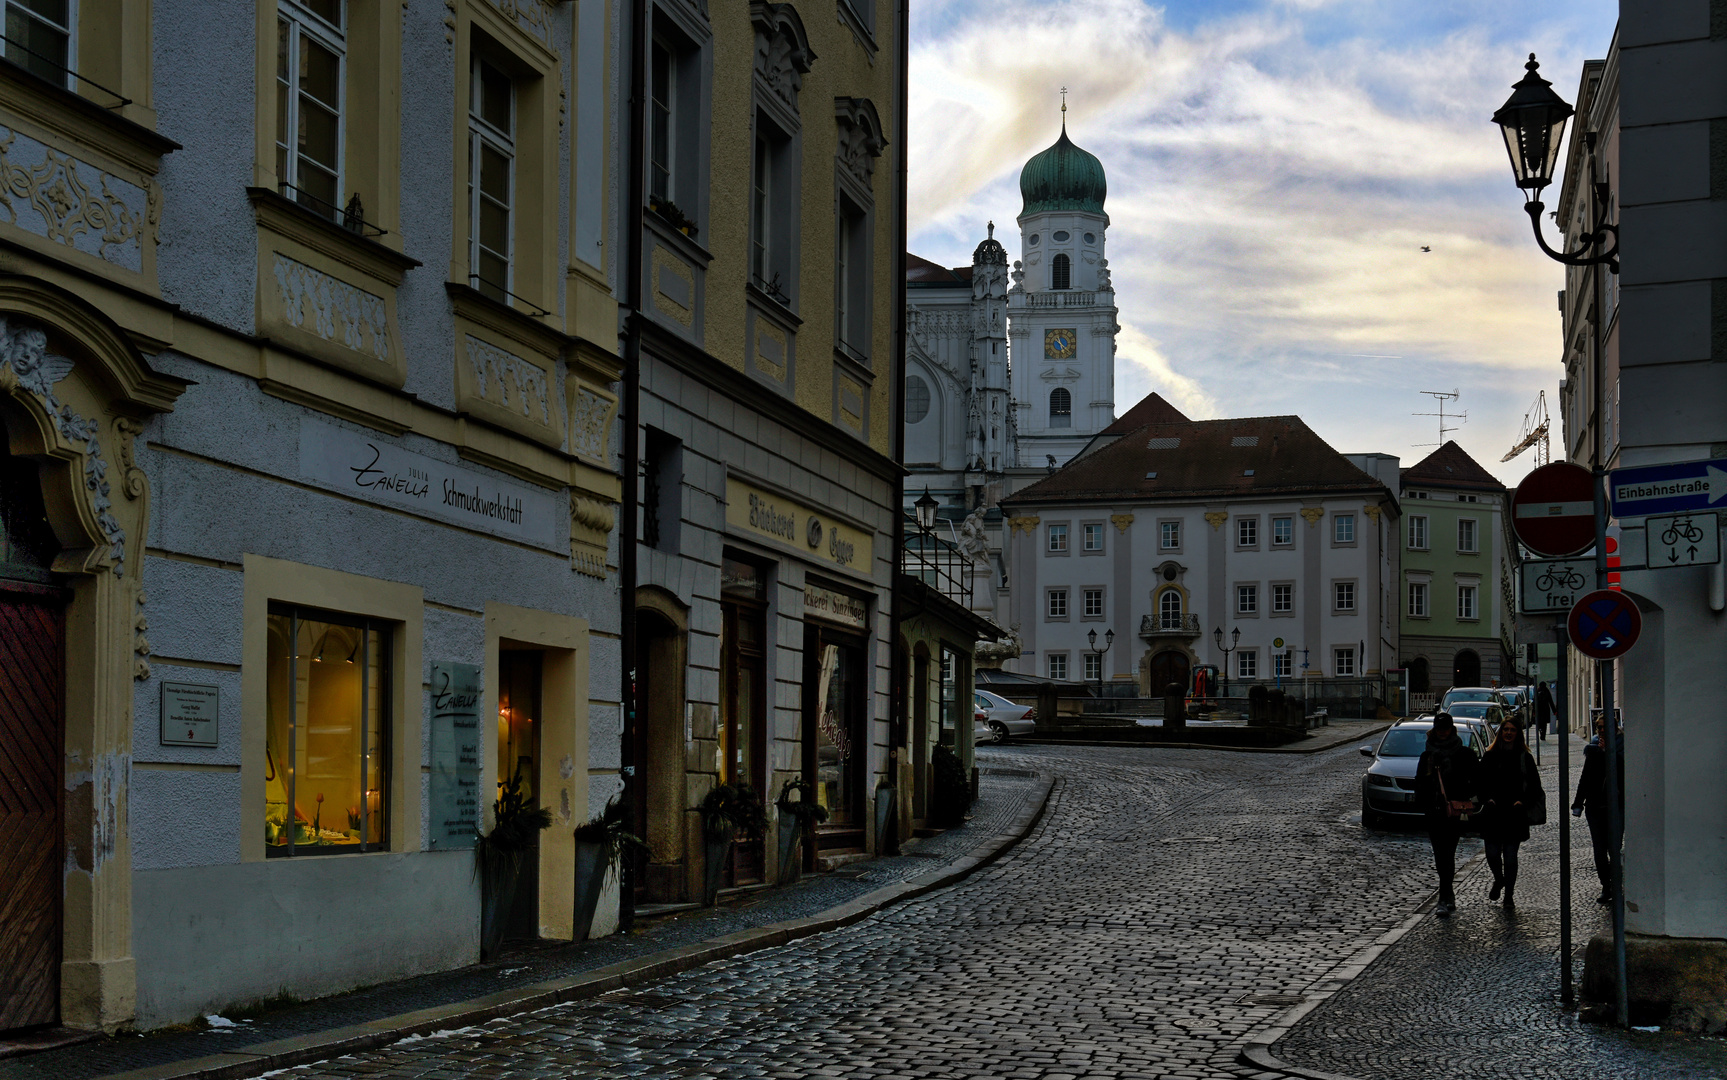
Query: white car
{"type": "Point", "coordinates": [1004, 718]}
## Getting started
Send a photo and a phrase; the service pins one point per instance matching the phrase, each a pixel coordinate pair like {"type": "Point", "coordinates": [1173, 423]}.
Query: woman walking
{"type": "Point", "coordinates": [1510, 789]}
{"type": "Point", "coordinates": [1445, 788]}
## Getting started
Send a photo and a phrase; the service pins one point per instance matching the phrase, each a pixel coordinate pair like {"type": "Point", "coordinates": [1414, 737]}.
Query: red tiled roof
{"type": "Point", "coordinates": [1191, 459]}
{"type": "Point", "coordinates": [1152, 409]}
{"type": "Point", "coordinates": [1450, 467]}
{"type": "Point", "coordinates": [921, 271]}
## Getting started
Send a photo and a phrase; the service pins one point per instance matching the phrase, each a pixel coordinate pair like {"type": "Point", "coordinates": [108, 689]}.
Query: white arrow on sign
{"type": "Point", "coordinates": [1676, 540]}
{"type": "Point", "coordinates": [1717, 484]}
{"type": "Point", "coordinates": [1605, 641]}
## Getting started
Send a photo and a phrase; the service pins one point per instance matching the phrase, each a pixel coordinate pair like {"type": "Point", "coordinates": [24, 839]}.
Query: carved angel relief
{"type": "Point", "coordinates": [783, 53]}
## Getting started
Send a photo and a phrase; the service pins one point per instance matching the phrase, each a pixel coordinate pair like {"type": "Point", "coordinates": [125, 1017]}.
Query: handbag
{"type": "Point", "coordinates": [1455, 808]}
{"type": "Point", "coordinates": [1535, 810]}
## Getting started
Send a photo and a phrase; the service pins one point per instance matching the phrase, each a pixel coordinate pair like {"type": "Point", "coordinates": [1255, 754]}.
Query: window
{"type": "Point", "coordinates": [916, 399]}
{"type": "Point", "coordinates": [1094, 603]}
{"type": "Point", "coordinates": [1418, 599]}
{"type": "Point", "coordinates": [1169, 533]}
{"type": "Point", "coordinates": [1418, 532]}
{"type": "Point", "coordinates": [852, 278]}
{"type": "Point", "coordinates": [1247, 664]}
{"type": "Point", "coordinates": [1282, 531]}
{"type": "Point", "coordinates": [1343, 529]}
{"type": "Point", "coordinates": [1093, 538]}
{"type": "Point", "coordinates": [1058, 538]}
{"type": "Point", "coordinates": [1466, 597]}
{"type": "Point", "coordinates": [662, 490]}
{"type": "Point", "coordinates": [1343, 662]}
{"type": "Point", "coordinates": [491, 180]}
{"type": "Point", "coordinates": [1093, 666]}
{"type": "Point", "coordinates": [1169, 610]}
{"type": "Point", "coordinates": [1468, 498]}
{"type": "Point", "coordinates": [1061, 272]}
{"type": "Point", "coordinates": [1058, 665]}
{"type": "Point", "coordinates": [310, 49]}
{"type": "Point", "coordinates": [326, 730]}
{"type": "Point", "coordinates": [1466, 541]}
{"type": "Point", "coordinates": [864, 12]}
{"type": "Point", "coordinates": [1060, 407]}
{"type": "Point", "coordinates": [1246, 532]}
{"type": "Point", "coordinates": [1343, 595]}
{"type": "Point", "coordinates": [661, 144]}
{"type": "Point", "coordinates": [1281, 663]}
{"type": "Point", "coordinates": [1058, 603]}
{"type": "Point", "coordinates": [674, 104]}
{"type": "Point", "coordinates": [1282, 598]}
{"type": "Point", "coordinates": [1246, 599]}
{"type": "Point", "coordinates": [39, 37]}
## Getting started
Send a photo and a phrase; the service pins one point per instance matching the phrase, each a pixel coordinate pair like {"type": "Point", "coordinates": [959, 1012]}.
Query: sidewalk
{"type": "Point", "coordinates": [1009, 803]}
{"type": "Point", "coordinates": [1477, 996]}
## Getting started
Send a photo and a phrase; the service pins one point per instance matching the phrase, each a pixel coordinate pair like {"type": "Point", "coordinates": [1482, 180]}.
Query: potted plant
{"type": "Point", "coordinates": [729, 812]}
{"type": "Point", "coordinates": [798, 817]}
{"type": "Point", "coordinates": [600, 845]}
{"type": "Point", "coordinates": [499, 856]}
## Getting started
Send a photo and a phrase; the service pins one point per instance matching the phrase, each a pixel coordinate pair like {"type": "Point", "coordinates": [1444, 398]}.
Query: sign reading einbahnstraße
{"type": "Point", "coordinates": [1668, 489]}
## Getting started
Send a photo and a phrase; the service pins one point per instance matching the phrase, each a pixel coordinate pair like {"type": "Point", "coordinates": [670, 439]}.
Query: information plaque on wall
{"type": "Point", "coordinates": [190, 712]}
{"type": "Point", "coordinates": [455, 756]}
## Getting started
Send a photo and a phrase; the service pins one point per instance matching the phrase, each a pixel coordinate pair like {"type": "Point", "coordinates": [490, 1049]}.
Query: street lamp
{"type": "Point", "coordinates": [1234, 640]}
{"type": "Point", "coordinates": [1108, 640]}
{"type": "Point", "coordinates": [926, 508]}
{"type": "Point", "coordinates": [1533, 123]}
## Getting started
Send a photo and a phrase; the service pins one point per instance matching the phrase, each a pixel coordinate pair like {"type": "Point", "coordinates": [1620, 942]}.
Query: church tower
{"type": "Point", "coordinates": [1061, 308]}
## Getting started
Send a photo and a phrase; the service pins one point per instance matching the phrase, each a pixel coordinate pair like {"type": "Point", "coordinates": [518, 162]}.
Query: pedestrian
{"type": "Point", "coordinates": [1543, 710]}
{"type": "Point", "coordinates": [1511, 795]}
{"type": "Point", "coordinates": [1591, 803]}
{"type": "Point", "coordinates": [1445, 789]}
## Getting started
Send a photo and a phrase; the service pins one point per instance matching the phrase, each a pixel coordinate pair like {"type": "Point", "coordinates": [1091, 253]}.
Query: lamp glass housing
{"type": "Point", "coordinates": [926, 508]}
{"type": "Point", "coordinates": [1532, 121]}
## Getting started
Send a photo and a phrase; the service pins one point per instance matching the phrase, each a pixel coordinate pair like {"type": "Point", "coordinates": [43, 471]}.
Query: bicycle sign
{"type": "Point", "coordinates": [1552, 586]}
{"type": "Point", "coordinates": [1683, 540]}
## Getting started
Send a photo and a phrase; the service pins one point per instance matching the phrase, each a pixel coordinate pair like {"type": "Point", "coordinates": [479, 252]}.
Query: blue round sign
{"type": "Point", "coordinates": [1604, 624]}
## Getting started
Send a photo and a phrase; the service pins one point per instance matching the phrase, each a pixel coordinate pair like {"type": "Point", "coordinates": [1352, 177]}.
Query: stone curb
{"type": "Point", "coordinates": [1157, 745]}
{"type": "Point", "coordinates": [303, 1049]}
{"type": "Point", "coordinates": [1258, 1051]}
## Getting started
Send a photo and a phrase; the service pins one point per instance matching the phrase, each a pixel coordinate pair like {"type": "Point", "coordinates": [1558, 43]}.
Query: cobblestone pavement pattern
{"type": "Point", "coordinates": [1126, 937]}
{"type": "Point", "coordinates": [1480, 992]}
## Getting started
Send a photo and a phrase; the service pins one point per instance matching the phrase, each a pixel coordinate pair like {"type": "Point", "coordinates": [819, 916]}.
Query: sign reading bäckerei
{"type": "Point", "coordinates": [750, 510]}
{"type": "Point", "coordinates": [373, 468]}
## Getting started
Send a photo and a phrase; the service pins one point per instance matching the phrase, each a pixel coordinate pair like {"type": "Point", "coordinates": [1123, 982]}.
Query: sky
{"type": "Point", "coordinates": [1275, 168]}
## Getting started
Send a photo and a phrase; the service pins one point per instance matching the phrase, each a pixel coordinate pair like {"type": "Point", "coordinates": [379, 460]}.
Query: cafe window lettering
{"type": "Point", "coordinates": [327, 739]}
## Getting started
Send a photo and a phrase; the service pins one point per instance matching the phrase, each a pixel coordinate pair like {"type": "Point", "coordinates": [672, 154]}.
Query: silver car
{"type": "Point", "coordinates": [1388, 788]}
{"type": "Point", "coordinates": [1003, 717]}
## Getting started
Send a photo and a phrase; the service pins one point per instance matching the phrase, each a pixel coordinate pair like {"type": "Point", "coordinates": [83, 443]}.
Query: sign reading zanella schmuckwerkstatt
{"type": "Point", "coordinates": [455, 780]}
{"type": "Point", "coordinates": [373, 468]}
{"type": "Point", "coordinates": [751, 510]}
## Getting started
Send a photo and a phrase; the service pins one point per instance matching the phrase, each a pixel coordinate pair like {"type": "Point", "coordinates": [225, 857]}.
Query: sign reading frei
{"type": "Point", "coordinates": [1683, 540]}
{"type": "Point", "coordinates": [455, 780]}
{"type": "Point", "coordinates": [753, 512]}
{"type": "Point", "coordinates": [373, 468]}
{"type": "Point", "coordinates": [1668, 489]}
{"type": "Point", "coordinates": [1552, 586]}
{"type": "Point", "coordinates": [191, 714]}
{"type": "Point", "coordinates": [1553, 510]}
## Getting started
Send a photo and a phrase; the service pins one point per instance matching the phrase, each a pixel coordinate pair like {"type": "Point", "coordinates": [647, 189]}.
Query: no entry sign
{"type": "Point", "coordinates": [1605, 624]}
{"type": "Point", "coordinates": [1553, 510]}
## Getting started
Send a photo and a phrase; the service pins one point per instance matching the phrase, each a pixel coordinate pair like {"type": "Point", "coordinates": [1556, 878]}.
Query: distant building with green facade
{"type": "Point", "coordinates": [1458, 606]}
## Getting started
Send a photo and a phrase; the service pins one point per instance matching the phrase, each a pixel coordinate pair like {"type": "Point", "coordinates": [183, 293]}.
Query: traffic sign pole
{"type": "Point", "coordinates": [1610, 744]}
{"type": "Point", "coordinates": [1562, 726]}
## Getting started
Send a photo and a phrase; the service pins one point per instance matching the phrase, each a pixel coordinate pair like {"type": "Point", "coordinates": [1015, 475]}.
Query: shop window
{"type": "Point", "coordinates": [491, 180]}
{"type": "Point", "coordinates": [311, 53]}
{"type": "Point", "coordinates": [743, 674]}
{"type": "Point", "coordinates": [326, 743]}
{"type": "Point", "coordinates": [1061, 272]}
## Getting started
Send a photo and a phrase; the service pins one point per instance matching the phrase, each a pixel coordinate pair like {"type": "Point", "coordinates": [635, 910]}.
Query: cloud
{"type": "Point", "coordinates": [1275, 171]}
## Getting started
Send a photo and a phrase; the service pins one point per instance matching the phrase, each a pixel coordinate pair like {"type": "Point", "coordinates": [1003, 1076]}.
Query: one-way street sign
{"type": "Point", "coordinates": [1683, 540]}
{"type": "Point", "coordinates": [1668, 489]}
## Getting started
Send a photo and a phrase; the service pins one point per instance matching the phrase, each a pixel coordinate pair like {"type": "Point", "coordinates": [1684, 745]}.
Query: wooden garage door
{"type": "Point", "coordinates": [32, 746]}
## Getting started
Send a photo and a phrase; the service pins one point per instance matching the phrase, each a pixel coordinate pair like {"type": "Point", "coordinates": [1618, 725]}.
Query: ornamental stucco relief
{"type": "Point", "coordinates": [588, 414]}
{"type": "Point", "coordinates": [340, 312]}
{"type": "Point", "coordinates": [71, 202]}
{"type": "Point", "coordinates": [508, 381]}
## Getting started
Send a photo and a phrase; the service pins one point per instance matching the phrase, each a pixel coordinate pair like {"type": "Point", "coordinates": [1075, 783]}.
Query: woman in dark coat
{"type": "Point", "coordinates": [1444, 775]}
{"type": "Point", "coordinates": [1509, 786]}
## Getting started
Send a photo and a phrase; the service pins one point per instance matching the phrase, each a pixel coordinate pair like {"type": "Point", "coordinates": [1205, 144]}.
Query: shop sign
{"type": "Point", "coordinates": [754, 512]}
{"type": "Point", "coordinates": [835, 607]}
{"type": "Point", "coordinates": [455, 756]}
{"type": "Point", "coordinates": [374, 469]}
{"type": "Point", "coordinates": [190, 714]}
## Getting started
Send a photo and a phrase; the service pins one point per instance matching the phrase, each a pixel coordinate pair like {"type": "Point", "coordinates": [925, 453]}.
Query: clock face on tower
{"type": "Point", "coordinates": [1060, 344]}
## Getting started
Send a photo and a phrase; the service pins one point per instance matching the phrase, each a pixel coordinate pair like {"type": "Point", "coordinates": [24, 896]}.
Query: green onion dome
{"type": "Point", "coordinates": [1064, 177]}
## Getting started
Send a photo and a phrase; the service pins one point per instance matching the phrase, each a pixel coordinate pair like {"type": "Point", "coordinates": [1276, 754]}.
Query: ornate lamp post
{"type": "Point", "coordinates": [1234, 640]}
{"type": "Point", "coordinates": [926, 508]}
{"type": "Point", "coordinates": [1533, 123]}
{"type": "Point", "coordinates": [1108, 640]}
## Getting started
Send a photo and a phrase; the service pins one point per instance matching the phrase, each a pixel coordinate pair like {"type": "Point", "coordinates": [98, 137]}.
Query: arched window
{"type": "Point", "coordinates": [1060, 407]}
{"type": "Point", "coordinates": [1061, 272]}
{"type": "Point", "coordinates": [1169, 610]}
{"type": "Point", "coordinates": [916, 399]}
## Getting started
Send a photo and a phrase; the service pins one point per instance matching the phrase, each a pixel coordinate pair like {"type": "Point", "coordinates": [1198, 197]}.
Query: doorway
{"type": "Point", "coordinates": [1168, 667]}
{"type": "Point", "coordinates": [920, 733]}
{"type": "Point", "coordinates": [1418, 678]}
{"type": "Point", "coordinates": [835, 754]}
{"type": "Point", "coordinates": [519, 728]}
{"type": "Point", "coordinates": [743, 696]}
{"type": "Point", "coordinates": [32, 752]}
{"type": "Point", "coordinates": [658, 801]}
{"type": "Point", "coordinates": [1466, 668]}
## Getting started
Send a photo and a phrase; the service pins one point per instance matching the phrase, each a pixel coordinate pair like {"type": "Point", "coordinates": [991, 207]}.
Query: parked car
{"type": "Point", "coordinates": [981, 733]}
{"type": "Point", "coordinates": [1005, 719]}
{"type": "Point", "coordinates": [1470, 693]}
{"type": "Point", "coordinates": [1388, 787]}
{"type": "Point", "coordinates": [1472, 717]}
{"type": "Point", "coordinates": [1488, 713]}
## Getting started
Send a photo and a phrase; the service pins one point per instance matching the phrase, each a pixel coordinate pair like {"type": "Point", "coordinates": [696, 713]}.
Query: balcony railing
{"type": "Point", "coordinates": [1060, 298]}
{"type": "Point", "coordinates": [938, 563]}
{"type": "Point", "coordinates": [1174, 626]}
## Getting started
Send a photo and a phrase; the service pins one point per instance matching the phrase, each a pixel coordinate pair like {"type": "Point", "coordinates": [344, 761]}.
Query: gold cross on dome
{"type": "Point", "coordinates": [1064, 99]}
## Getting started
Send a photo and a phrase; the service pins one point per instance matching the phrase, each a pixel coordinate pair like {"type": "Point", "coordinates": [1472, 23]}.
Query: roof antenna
{"type": "Point", "coordinates": [1442, 397]}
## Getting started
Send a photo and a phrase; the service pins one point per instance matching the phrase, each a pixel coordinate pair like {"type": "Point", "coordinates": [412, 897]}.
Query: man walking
{"type": "Point", "coordinates": [1591, 803]}
{"type": "Point", "coordinates": [1543, 710]}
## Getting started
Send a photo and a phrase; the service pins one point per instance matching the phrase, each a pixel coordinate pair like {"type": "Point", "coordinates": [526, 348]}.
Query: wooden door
{"type": "Point", "coordinates": [32, 746]}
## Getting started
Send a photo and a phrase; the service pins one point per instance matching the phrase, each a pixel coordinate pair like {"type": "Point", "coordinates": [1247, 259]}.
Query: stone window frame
{"type": "Point", "coordinates": [1272, 587]}
{"type": "Point", "coordinates": [1050, 662]}
{"type": "Point", "coordinates": [1180, 534]}
{"type": "Point", "coordinates": [1055, 596]}
{"type": "Point", "coordinates": [1474, 536]}
{"type": "Point", "coordinates": [1353, 585]}
{"type": "Point", "coordinates": [1426, 594]}
{"type": "Point", "coordinates": [1473, 585]}
{"type": "Point", "coordinates": [1426, 532]}
{"type": "Point", "coordinates": [1247, 523]}
{"type": "Point", "coordinates": [1085, 596]}
{"type": "Point", "coordinates": [1085, 528]}
{"type": "Point", "coordinates": [1337, 520]}
{"type": "Point", "coordinates": [1242, 657]}
{"type": "Point", "coordinates": [1239, 612]}
{"type": "Point", "coordinates": [1287, 519]}
{"type": "Point", "coordinates": [1050, 534]}
{"type": "Point", "coordinates": [1092, 659]}
{"type": "Point", "coordinates": [1337, 654]}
